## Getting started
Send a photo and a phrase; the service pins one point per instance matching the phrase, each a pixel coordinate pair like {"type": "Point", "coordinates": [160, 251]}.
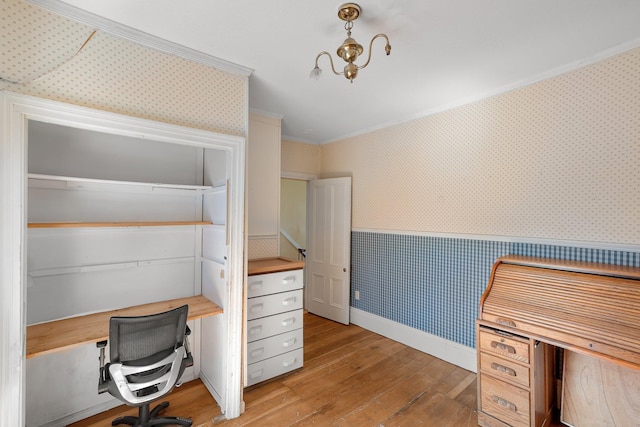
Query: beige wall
{"type": "Point", "coordinates": [559, 159]}
{"type": "Point", "coordinates": [300, 158]}
{"type": "Point", "coordinates": [263, 185]}
{"type": "Point", "coordinates": [40, 52]}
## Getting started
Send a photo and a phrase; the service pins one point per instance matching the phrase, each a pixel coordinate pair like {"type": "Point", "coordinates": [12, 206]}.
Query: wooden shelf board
{"type": "Point", "coordinates": [89, 181]}
{"type": "Point", "coordinates": [63, 334]}
{"type": "Point", "coordinates": [73, 224]}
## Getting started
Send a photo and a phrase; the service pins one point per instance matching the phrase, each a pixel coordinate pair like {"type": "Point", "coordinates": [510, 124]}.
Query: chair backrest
{"type": "Point", "coordinates": [147, 356]}
{"type": "Point", "coordinates": [145, 339]}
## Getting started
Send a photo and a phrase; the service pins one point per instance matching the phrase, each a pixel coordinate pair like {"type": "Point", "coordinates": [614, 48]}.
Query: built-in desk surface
{"type": "Point", "coordinates": [65, 333]}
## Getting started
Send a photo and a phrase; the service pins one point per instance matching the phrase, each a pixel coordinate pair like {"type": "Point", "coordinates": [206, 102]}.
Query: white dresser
{"type": "Point", "coordinates": [274, 318]}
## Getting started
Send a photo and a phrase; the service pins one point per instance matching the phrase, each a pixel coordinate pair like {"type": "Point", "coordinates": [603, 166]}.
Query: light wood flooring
{"type": "Point", "coordinates": [351, 377]}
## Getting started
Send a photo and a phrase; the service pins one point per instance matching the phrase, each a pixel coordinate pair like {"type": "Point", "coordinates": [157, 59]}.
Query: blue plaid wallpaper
{"type": "Point", "coordinates": [434, 284]}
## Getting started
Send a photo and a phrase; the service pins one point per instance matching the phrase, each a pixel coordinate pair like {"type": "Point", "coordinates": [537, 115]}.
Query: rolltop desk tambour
{"type": "Point", "coordinates": [532, 306]}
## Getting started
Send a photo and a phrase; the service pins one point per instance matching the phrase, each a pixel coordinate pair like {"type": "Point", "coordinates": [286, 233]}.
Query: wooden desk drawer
{"type": "Point", "coordinates": [505, 402]}
{"type": "Point", "coordinates": [278, 365]}
{"type": "Point", "coordinates": [273, 346]}
{"type": "Point", "coordinates": [271, 283]}
{"type": "Point", "coordinates": [502, 368]}
{"type": "Point", "coordinates": [508, 346]}
{"type": "Point", "coordinates": [273, 304]}
{"type": "Point", "coordinates": [273, 325]}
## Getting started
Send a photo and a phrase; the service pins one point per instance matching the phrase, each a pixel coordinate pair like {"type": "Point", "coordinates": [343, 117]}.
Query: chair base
{"type": "Point", "coordinates": [148, 418]}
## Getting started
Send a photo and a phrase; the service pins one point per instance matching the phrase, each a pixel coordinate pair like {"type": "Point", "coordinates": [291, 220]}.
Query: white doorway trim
{"type": "Point", "coordinates": [308, 178]}
{"type": "Point", "coordinates": [15, 111]}
{"type": "Point", "coordinates": [299, 176]}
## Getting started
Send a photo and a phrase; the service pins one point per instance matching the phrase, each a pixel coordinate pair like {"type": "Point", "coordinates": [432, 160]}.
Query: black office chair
{"type": "Point", "coordinates": [148, 355]}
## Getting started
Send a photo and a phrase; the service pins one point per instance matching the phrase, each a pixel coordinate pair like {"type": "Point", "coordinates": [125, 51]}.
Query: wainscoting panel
{"type": "Point", "coordinates": [434, 284]}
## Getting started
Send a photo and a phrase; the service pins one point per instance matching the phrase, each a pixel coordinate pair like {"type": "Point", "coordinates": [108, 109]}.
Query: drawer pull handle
{"type": "Point", "coordinates": [255, 374]}
{"type": "Point", "coordinates": [288, 363]}
{"type": "Point", "coordinates": [504, 403]}
{"type": "Point", "coordinates": [288, 321]}
{"type": "Point", "coordinates": [256, 285]}
{"type": "Point", "coordinates": [503, 347]}
{"type": "Point", "coordinates": [257, 352]}
{"type": "Point", "coordinates": [289, 301]}
{"type": "Point", "coordinates": [256, 308]}
{"type": "Point", "coordinates": [506, 322]}
{"type": "Point", "coordinates": [289, 342]}
{"type": "Point", "coordinates": [504, 369]}
{"type": "Point", "coordinates": [255, 330]}
{"type": "Point", "coordinates": [289, 280]}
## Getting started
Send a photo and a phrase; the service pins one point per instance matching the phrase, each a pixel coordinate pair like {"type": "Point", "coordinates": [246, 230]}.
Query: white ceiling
{"type": "Point", "coordinates": [444, 53]}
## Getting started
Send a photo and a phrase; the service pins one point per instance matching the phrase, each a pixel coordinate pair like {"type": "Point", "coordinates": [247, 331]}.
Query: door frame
{"type": "Point", "coordinates": [308, 178]}
{"type": "Point", "coordinates": [15, 111]}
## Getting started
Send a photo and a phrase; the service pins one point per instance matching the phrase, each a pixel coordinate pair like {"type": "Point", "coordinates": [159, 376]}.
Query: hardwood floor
{"type": "Point", "coordinates": [351, 377]}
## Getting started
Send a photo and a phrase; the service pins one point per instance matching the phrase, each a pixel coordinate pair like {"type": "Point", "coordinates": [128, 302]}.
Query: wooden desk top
{"type": "Point", "coordinates": [272, 265]}
{"type": "Point", "coordinates": [62, 334]}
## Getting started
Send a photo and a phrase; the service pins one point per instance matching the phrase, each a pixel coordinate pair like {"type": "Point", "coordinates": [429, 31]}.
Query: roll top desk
{"type": "Point", "coordinates": [534, 306]}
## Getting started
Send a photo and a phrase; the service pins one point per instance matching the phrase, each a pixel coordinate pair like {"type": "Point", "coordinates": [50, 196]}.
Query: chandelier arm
{"type": "Point", "coordinates": [330, 60]}
{"type": "Point", "coordinates": [387, 49]}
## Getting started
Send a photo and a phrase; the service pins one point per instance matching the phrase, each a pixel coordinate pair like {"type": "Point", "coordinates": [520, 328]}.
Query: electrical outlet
{"type": "Point", "coordinates": [357, 295]}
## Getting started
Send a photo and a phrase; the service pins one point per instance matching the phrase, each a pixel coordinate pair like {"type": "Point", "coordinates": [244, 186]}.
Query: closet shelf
{"type": "Point", "coordinates": [57, 181]}
{"type": "Point", "coordinates": [103, 267]}
{"type": "Point", "coordinates": [72, 224]}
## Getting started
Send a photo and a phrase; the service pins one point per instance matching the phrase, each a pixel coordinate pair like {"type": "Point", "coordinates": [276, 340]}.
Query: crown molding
{"type": "Point", "coordinates": [139, 37]}
{"type": "Point", "coordinates": [291, 138]}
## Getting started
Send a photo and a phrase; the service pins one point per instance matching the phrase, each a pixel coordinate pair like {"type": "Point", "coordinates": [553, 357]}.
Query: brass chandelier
{"type": "Point", "coordinates": [350, 49]}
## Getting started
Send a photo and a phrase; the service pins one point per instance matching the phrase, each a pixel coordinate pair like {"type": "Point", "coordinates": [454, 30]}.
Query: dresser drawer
{"type": "Point", "coordinates": [273, 304]}
{"type": "Point", "coordinates": [264, 284]}
{"type": "Point", "coordinates": [273, 346]}
{"type": "Point", "coordinates": [273, 325]}
{"type": "Point", "coordinates": [272, 367]}
{"type": "Point", "coordinates": [507, 346]}
{"type": "Point", "coordinates": [504, 368]}
{"type": "Point", "coordinates": [504, 401]}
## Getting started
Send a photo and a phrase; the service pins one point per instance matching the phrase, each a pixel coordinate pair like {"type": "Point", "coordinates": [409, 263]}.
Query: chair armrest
{"type": "Point", "coordinates": [104, 371]}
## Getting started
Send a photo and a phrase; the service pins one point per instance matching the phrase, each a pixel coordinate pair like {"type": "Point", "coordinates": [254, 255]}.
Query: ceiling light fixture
{"type": "Point", "coordinates": [350, 50]}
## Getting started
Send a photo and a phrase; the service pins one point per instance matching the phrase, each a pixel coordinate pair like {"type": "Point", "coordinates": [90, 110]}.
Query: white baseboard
{"type": "Point", "coordinates": [86, 413]}
{"type": "Point", "coordinates": [441, 348]}
{"type": "Point", "coordinates": [212, 390]}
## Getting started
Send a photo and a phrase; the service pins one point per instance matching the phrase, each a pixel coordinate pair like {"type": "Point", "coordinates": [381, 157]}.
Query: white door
{"type": "Point", "coordinates": [329, 249]}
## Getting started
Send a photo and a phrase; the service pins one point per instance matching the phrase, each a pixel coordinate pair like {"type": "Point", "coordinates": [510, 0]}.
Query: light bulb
{"type": "Point", "coordinates": [316, 73]}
